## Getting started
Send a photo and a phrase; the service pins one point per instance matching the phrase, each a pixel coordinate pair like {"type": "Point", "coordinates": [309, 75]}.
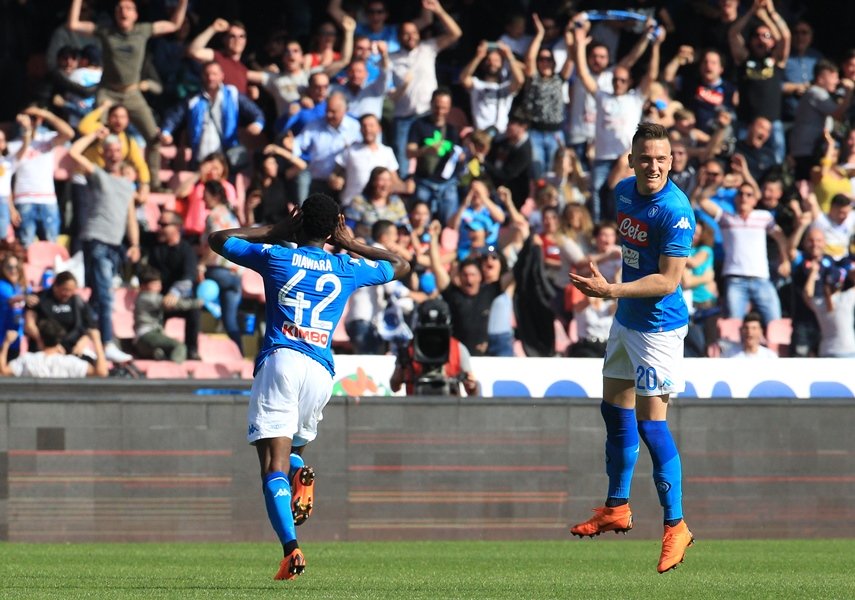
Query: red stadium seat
{"type": "Point", "coordinates": [728, 329]}
{"type": "Point", "coordinates": [779, 335]}
{"type": "Point", "coordinates": [165, 369]}
{"type": "Point", "coordinates": [252, 285]}
{"type": "Point", "coordinates": [43, 254]}
{"type": "Point", "coordinates": [216, 349]}
{"type": "Point", "coordinates": [208, 370]}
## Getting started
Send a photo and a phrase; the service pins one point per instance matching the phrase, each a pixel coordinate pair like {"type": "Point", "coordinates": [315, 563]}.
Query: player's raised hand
{"type": "Point", "coordinates": [595, 286]}
{"type": "Point", "coordinates": [342, 235]}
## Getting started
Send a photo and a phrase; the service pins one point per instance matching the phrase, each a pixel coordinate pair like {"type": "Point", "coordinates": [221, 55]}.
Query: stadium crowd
{"type": "Point", "coordinates": [481, 140]}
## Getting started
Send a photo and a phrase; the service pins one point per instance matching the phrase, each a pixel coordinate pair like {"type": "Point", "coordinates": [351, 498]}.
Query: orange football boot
{"type": "Point", "coordinates": [674, 543]}
{"type": "Point", "coordinates": [292, 565]}
{"type": "Point", "coordinates": [303, 494]}
{"type": "Point", "coordinates": [616, 518]}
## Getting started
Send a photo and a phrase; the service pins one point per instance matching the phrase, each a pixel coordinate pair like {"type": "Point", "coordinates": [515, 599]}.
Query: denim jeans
{"type": "Point", "coordinates": [500, 344]}
{"type": "Point", "coordinates": [41, 218]}
{"type": "Point", "coordinates": [230, 297]}
{"type": "Point", "coordinates": [441, 196]}
{"type": "Point", "coordinates": [401, 126]}
{"type": "Point", "coordinates": [761, 293]}
{"type": "Point", "coordinates": [102, 262]}
{"type": "Point", "coordinates": [599, 175]}
{"type": "Point", "coordinates": [5, 217]}
{"type": "Point", "coordinates": [544, 145]}
{"type": "Point", "coordinates": [364, 337]}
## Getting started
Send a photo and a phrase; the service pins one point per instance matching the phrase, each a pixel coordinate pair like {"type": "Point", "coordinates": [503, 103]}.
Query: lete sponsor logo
{"type": "Point", "coordinates": [633, 230]}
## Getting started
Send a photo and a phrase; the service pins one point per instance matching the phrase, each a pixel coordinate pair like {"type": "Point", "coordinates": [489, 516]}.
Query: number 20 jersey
{"type": "Point", "coordinates": [306, 291]}
{"type": "Point", "coordinates": [650, 226]}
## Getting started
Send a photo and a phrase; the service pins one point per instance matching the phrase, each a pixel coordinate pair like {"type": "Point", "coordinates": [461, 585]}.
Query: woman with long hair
{"type": "Point", "coordinates": [376, 202]}
{"type": "Point", "coordinates": [190, 201]}
{"type": "Point", "coordinates": [215, 267]}
{"type": "Point", "coordinates": [267, 201]}
{"type": "Point", "coordinates": [568, 178]}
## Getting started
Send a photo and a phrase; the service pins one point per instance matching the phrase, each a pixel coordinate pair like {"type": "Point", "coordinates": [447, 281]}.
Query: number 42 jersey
{"type": "Point", "coordinates": [650, 226]}
{"type": "Point", "coordinates": [306, 291]}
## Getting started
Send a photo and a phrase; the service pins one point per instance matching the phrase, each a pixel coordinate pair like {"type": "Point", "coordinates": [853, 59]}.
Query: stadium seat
{"type": "Point", "coordinates": [728, 329]}
{"type": "Point", "coordinates": [123, 324]}
{"type": "Point", "coordinates": [43, 254]}
{"type": "Point", "coordinates": [562, 340]}
{"type": "Point", "coordinates": [164, 369]}
{"type": "Point", "coordinates": [216, 348]}
{"type": "Point", "coordinates": [152, 214]}
{"type": "Point", "coordinates": [779, 334]}
{"type": "Point", "coordinates": [252, 285]}
{"type": "Point", "coordinates": [210, 370]}
{"type": "Point", "coordinates": [174, 328]}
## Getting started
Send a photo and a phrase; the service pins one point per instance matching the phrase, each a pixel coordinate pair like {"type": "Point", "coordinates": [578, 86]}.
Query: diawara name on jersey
{"type": "Point", "coordinates": [649, 227]}
{"type": "Point", "coordinates": [306, 291]}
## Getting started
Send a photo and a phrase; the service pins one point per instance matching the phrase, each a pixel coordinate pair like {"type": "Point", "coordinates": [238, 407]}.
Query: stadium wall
{"type": "Point", "coordinates": [166, 461]}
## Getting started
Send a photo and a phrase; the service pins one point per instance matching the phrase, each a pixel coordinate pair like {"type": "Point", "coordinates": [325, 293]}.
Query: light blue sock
{"type": "Point", "coordinates": [621, 448]}
{"type": "Point", "coordinates": [296, 464]}
{"type": "Point", "coordinates": [277, 499]}
{"type": "Point", "coordinates": [667, 470]}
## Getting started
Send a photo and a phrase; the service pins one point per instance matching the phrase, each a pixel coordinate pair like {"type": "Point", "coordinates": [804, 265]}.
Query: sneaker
{"type": "Point", "coordinates": [303, 494]}
{"type": "Point", "coordinates": [617, 519]}
{"type": "Point", "coordinates": [113, 354]}
{"type": "Point", "coordinates": [674, 543]}
{"type": "Point", "coordinates": [292, 565]}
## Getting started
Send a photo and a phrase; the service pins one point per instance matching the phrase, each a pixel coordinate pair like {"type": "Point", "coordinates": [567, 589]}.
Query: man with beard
{"type": "Point", "coordinates": [490, 92]}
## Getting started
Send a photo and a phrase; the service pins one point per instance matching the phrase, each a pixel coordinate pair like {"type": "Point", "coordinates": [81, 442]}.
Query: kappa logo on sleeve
{"type": "Point", "coordinates": [683, 223]}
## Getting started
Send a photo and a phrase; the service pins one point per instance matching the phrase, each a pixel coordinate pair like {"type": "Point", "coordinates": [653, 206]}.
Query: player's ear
{"type": "Point", "coordinates": [629, 160]}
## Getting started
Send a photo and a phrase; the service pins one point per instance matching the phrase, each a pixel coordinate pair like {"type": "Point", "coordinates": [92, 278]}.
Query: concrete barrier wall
{"type": "Point", "coordinates": [153, 460]}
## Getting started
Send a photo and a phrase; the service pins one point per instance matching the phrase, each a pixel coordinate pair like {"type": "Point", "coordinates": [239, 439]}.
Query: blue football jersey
{"type": "Point", "coordinates": [306, 292]}
{"type": "Point", "coordinates": [650, 226]}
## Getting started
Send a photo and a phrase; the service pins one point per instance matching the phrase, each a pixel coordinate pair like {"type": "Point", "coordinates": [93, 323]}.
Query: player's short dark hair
{"type": "Point", "coordinates": [319, 216]}
{"type": "Point", "coordinates": [51, 332]}
{"type": "Point", "coordinates": [650, 131]}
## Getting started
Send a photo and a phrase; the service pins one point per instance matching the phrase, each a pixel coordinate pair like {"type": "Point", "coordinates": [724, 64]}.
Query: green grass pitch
{"type": "Point", "coordinates": [586, 569]}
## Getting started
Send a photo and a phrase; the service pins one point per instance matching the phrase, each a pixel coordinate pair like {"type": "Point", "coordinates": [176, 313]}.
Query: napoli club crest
{"type": "Point", "coordinates": [653, 211]}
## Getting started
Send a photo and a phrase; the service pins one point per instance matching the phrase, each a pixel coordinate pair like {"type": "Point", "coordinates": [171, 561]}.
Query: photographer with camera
{"type": "Point", "coordinates": [433, 363]}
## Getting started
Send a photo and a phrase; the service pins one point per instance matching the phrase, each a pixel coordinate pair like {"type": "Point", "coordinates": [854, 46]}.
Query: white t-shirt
{"type": "Point", "coordinates": [421, 62]}
{"type": "Point", "coordinates": [358, 160]}
{"type": "Point", "coordinates": [7, 169]}
{"type": "Point", "coordinates": [736, 351]}
{"type": "Point", "coordinates": [41, 365]}
{"type": "Point", "coordinates": [583, 107]}
{"type": "Point", "coordinates": [836, 236]}
{"type": "Point", "coordinates": [34, 175]}
{"type": "Point", "coordinates": [491, 103]}
{"type": "Point", "coordinates": [617, 119]}
{"type": "Point", "coordinates": [744, 242]}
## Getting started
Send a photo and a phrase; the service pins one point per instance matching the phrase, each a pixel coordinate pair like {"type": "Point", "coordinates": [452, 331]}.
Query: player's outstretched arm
{"type": "Point", "coordinates": [344, 238]}
{"type": "Point", "coordinates": [655, 285]}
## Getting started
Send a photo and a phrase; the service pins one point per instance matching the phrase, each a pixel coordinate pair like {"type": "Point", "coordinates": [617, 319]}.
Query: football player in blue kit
{"type": "Point", "coordinates": [306, 290]}
{"type": "Point", "coordinates": [645, 345]}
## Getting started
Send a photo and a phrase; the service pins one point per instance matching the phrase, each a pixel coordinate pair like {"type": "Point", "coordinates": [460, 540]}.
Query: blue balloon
{"type": "Point", "coordinates": [427, 282]}
{"type": "Point", "coordinates": [209, 292]}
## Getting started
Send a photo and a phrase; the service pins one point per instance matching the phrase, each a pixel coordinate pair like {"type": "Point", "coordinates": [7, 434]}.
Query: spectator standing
{"type": "Point", "coordinates": [190, 196]}
{"type": "Point", "coordinates": [8, 163]}
{"type": "Point", "coordinates": [806, 333]}
{"type": "Point", "coordinates": [490, 92]}
{"type": "Point", "coordinates": [834, 306]}
{"type": "Point", "coordinates": [816, 111]}
{"type": "Point", "coordinates": [509, 161]}
{"type": "Point", "coordinates": [363, 96]}
{"type": "Point", "coordinates": [477, 221]}
{"type": "Point", "coordinates": [356, 163]}
{"type": "Point", "coordinates": [704, 92]}
{"type": "Point", "coordinates": [761, 69]}
{"type": "Point", "coordinates": [177, 261]}
{"type": "Point", "coordinates": [213, 117]}
{"type": "Point", "coordinates": [217, 268]}
{"type": "Point", "coordinates": [414, 76]}
{"type": "Point", "coordinates": [124, 43]}
{"type": "Point", "coordinates": [799, 70]}
{"type": "Point", "coordinates": [435, 145]}
{"type": "Point", "coordinates": [321, 142]}
{"type": "Point", "coordinates": [34, 191]}
{"type": "Point", "coordinates": [618, 113]}
{"type": "Point", "coordinates": [110, 218]}
{"type": "Point", "coordinates": [267, 201]}
{"type": "Point", "coordinates": [228, 56]}
{"type": "Point", "coordinates": [543, 100]}
{"type": "Point", "coordinates": [759, 155]}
